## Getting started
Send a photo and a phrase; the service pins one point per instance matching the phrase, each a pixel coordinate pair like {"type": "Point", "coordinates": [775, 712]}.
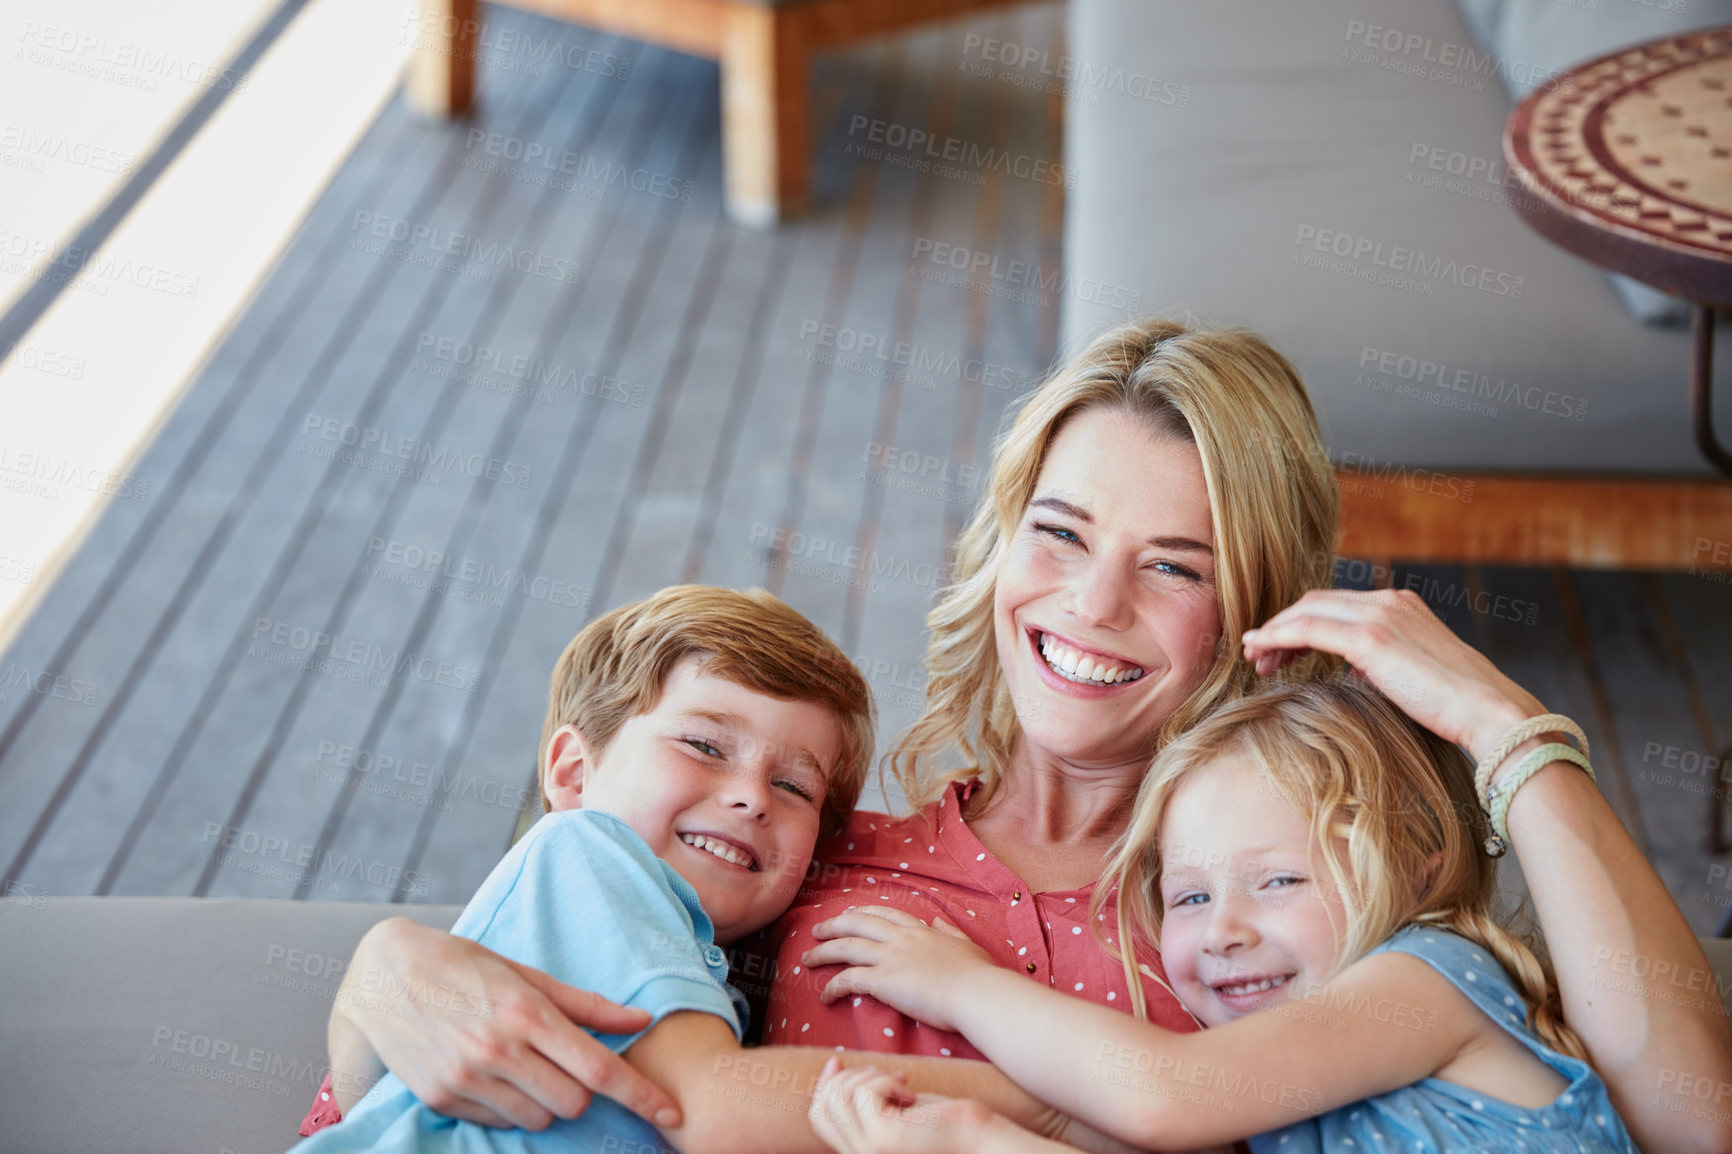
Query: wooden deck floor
{"type": "Point", "coordinates": [562, 387]}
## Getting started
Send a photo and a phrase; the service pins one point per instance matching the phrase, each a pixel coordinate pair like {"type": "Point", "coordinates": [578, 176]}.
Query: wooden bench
{"type": "Point", "coordinates": [765, 48]}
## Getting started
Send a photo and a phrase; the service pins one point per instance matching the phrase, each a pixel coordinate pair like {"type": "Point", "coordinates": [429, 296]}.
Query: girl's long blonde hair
{"type": "Point", "coordinates": [1392, 804]}
{"type": "Point", "coordinates": [1272, 501]}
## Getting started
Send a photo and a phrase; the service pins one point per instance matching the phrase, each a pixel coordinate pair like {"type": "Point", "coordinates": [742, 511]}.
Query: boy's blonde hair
{"type": "Point", "coordinates": [616, 667]}
{"type": "Point", "coordinates": [1392, 804]}
{"type": "Point", "coordinates": [1272, 502]}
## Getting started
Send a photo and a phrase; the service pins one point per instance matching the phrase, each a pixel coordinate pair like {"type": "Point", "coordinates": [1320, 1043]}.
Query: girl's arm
{"type": "Point", "coordinates": [1605, 913]}
{"type": "Point", "coordinates": [1385, 1022]}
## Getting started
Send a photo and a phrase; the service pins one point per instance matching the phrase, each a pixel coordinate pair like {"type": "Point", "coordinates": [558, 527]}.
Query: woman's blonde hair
{"type": "Point", "coordinates": [1391, 803]}
{"type": "Point", "coordinates": [618, 664]}
{"type": "Point", "coordinates": [1272, 502]}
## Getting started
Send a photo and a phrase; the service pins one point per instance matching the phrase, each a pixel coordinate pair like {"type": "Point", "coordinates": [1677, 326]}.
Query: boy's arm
{"type": "Point", "coordinates": [739, 1101]}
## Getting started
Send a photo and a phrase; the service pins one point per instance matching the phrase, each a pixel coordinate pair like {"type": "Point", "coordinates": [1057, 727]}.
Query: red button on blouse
{"type": "Point", "coordinates": [325, 1111]}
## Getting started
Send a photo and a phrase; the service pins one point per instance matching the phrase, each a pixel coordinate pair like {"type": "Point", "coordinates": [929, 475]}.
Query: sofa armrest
{"type": "Point", "coordinates": [170, 1024]}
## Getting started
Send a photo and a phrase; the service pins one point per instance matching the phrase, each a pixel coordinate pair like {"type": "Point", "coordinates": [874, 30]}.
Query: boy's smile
{"type": "Point", "coordinates": [719, 845]}
{"type": "Point", "coordinates": [725, 784]}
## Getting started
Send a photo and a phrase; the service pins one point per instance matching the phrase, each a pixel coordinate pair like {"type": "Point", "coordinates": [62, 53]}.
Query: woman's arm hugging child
{"type": "Point", "coordinates": [1310, 861]}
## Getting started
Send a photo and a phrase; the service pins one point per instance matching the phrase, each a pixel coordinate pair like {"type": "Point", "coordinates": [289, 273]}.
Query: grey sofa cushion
{"type": "Point", "coordinates": [1298, 139]}
{"type": "Point", "coordinates": [163, 1024]}
{"type": "Point", "coordinates": [1538, 39]}
{"type": "Point", "coordinates": [184, 1024]}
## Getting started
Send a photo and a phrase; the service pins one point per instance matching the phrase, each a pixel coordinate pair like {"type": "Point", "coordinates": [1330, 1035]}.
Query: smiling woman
{"type": "Point", "coordinates": [1126, 534]}
{"type": "Point", "coordinates": [1170, 476]}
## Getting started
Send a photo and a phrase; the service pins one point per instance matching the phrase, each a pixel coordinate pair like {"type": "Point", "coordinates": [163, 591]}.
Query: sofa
{"type": "Point", "coordinates": [169, 1024]}
{"type": "Point", "coordinates": [187, 1024]}
{"type": "Point", "coordinates": [1381, 121]}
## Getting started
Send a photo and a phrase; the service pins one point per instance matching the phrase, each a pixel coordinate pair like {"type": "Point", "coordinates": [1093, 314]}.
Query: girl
{"type": "Point", "coordinates": [1310, 861]}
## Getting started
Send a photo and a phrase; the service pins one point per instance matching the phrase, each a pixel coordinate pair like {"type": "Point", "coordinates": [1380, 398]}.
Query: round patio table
{"type": "Point", "coordinates": [1628, 163]}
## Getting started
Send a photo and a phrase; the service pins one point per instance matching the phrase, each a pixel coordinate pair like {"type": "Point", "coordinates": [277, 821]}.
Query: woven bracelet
{"type": "Point", "coordinates": [1534, 761]}
{"type": "Point", "coordinates": [1532, 727]}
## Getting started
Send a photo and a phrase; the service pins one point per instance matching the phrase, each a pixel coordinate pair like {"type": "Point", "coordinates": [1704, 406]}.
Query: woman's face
{"type": "Point", "coordinates": [1106, 612]}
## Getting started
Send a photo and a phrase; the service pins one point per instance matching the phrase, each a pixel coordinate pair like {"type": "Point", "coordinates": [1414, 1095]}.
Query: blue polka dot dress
{"type": "Point", "coordinates": [1433, 1115]}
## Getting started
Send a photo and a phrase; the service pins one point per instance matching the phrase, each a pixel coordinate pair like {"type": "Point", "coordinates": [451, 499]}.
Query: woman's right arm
{"type": "Point", "coordinates": [1659, 1040]}
{"type": "Point", "coordinates": [477, 1036]}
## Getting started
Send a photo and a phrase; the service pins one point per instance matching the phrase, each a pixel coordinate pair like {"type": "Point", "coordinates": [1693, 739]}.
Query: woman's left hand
{"type": "Point", "coordinates": [866, 1110]}
{"type": "Point", "coordinates": [1392, 637]}
{"type": "Point", "coordinates": [893, 956]}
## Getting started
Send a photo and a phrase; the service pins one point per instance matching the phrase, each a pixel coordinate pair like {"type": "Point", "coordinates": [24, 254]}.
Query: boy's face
{"type": "Point", "coordinates": [1251, 917]}
{"type": "Point", "coordinates": [725, 784]}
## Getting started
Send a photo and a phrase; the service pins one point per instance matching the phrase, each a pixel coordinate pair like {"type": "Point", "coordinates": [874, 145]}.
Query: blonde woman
{"type": "Point", "coordinates": [1157, 535]}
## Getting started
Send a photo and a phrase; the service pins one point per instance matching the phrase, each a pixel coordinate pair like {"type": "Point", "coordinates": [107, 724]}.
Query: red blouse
{"type": "Point", "coordinates": [325, 1111]}
{"type": "Point", "coordinates": [927, 864]}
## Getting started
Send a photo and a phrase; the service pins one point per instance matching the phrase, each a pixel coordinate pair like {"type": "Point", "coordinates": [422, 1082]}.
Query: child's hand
{"type": "Point", "coordinates": [871, 1111]}
{"type": "Point", "coordinates": [895, 958]}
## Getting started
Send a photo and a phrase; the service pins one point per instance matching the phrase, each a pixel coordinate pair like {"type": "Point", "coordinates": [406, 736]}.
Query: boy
{"type": "Point", "coordinates": [696, 745]}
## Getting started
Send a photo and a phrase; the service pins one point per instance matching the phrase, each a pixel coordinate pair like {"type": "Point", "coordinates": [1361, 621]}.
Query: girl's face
{"type": "Point", "coordinates": [1252, 916]}
{"type": "Point", "coordinates": [1105, 610]}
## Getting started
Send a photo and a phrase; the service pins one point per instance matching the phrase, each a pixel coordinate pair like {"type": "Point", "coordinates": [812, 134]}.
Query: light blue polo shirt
{"type": "Point", "coordinates": [581, 897]}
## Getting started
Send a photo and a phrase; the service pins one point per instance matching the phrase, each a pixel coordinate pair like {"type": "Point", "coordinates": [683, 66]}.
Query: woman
{"type": "Point", "coordinates": [1158, 534]}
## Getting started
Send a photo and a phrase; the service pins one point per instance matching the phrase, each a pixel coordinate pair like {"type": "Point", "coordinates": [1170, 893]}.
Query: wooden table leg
{"type": "Point", "coordinates": [441, 79]}
{"type": "Point", "coordinates": [1702, 389]}
{"type": "Point", "coordinates": [1717, 799]}
{"type": "Point", "coordinates": [766, 127]}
